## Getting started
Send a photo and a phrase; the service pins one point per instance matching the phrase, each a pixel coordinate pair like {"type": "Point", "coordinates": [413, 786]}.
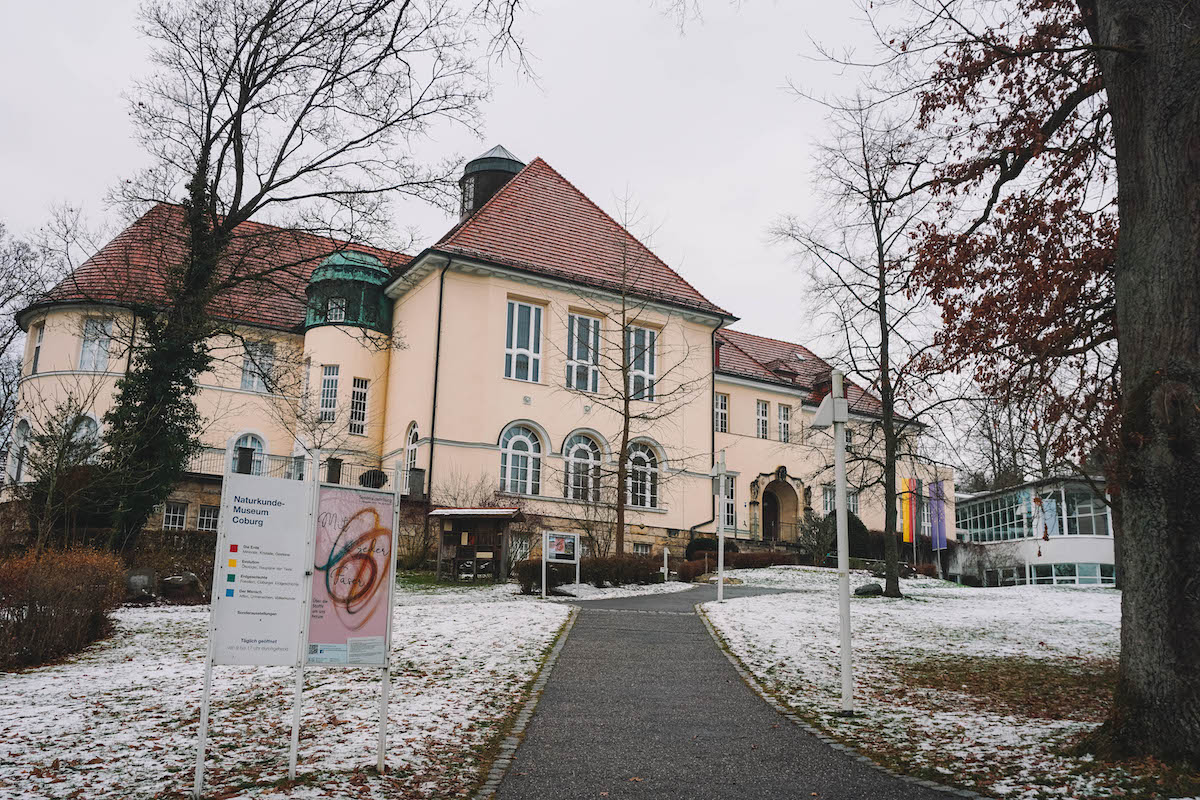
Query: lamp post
{"type": "Point", "coordinates": [835, 412]}
{"type": "Point", "coordinates": [719, 477]}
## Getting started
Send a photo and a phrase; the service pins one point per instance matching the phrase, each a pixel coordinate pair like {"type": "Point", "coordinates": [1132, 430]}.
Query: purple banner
{"type": "Point", "coordinates": [937, 513]}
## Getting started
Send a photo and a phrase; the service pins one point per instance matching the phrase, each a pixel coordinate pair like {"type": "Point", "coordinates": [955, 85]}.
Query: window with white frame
{"type": "Point", "coordinates": [86, 438]}
{"type": "Point", "coordinates": [785, 422]}
{"type": "Point", "coordinates": [97, 335]}
{"type": "Point", "coordinates": [729, 505]}
{"type": "Point", "coordinates": [358, 407]}
{"type": "Point", "coordinates": [19, 452]}
{"type": "Point", "coordinates": [642, 483]}
{"type": "Point", "coordinates": [829, 500]}
{"type": "Point", "coordinates": [255, 444]}
{"type": "Point", "coordinates": [523, 342]}
{"type": "Point", "coordinates": [174, 516]}
{"type": "Point", "coordinates": [335, 310]}
{"type": "Point", "coordinates": [926, 518]}
{"type": "Point", "coordinates": [641, 345]}
{"type": "Point", "coordinates": [257, 363]}
{"type": "Point", "coordinates": [640, 549]}
{"type": "Point", "coordinates": [410, 454]}
{"type": "Point", "coordinates": [849, 439]}
{"type": "Point", "coordinates": [581, 476]}
{"type": "Point", "coordinates": [520, 461]}
{"type": "Point", "coordinates": [1086, 512]}
{"type": "Point", "coordinates": [38, 332]}
{"type": "Point", "coordinates": [583, 353]}
{"type": "Point", "coordinates": [721, 413]}
{"type": "Point", "coordinates": [329, 391]}
{"type": "Point", "coordinates": [762, 417]}
{"type": "Point", "coordinates": [207, 520]}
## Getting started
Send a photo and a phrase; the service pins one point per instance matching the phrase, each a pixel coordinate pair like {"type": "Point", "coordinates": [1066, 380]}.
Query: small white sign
{"type": "Point", "coordinates": [259, 580]}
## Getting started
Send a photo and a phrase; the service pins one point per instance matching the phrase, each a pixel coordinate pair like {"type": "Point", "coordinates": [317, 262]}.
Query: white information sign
{"type": "Point", "coordinates": [259, 581]}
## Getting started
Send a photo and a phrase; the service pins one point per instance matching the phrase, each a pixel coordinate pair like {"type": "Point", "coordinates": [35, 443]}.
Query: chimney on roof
{"type": "Point", "coordinates": [483, 176]}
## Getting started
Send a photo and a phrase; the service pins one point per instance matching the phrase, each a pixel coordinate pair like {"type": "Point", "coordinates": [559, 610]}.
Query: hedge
{"type": "Point", "coordinates": [691, 570]}
{"type": "Point", "coordinates": [56, 603]}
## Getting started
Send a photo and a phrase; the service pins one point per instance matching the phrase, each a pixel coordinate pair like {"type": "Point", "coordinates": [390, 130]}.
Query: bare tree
{"type": "Point", "coordinates": [860, 259]}
{"type": "Point", "coordinates": [301, 110]}
{"type": "Point", "coordinates": [630, 357]}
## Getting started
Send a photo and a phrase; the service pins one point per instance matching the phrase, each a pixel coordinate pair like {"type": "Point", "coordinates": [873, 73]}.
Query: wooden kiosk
{"type": "Point", "coordinates": [473, 543]}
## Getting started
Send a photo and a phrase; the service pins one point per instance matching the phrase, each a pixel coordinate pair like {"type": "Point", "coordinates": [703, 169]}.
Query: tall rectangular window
{"type": "Point", "coordinates": [257, 364]}
{"type": "Point", "coordinates": [763, 414]}
{"type": "Point", "coordinates": [640, 347]}
{"type": "Point", "coordinates": [583, 353]}
{"type": "Point", "coordinates": [523, 342]}
{"type": "Point", "coordinates": [336, 311]}
{"type": "Point", "coordinates": [785, 422]}
{"type": "Point", "coordinates": [728, 506]}
{"type": "Point", "coordinates": [829, 500]}
{"type": "Point", "coordinates": [721, 413]}
{"type": "Point", "coordinates": [97, 334]}
{"type": "Point", "coordinates": [174, 516]}
{"type": "Point", "coordinates": [37, 334]}
{"type": "Point", "coordinates": [358, 407]}
{"type": "Point", "coordinates": [329, 388]}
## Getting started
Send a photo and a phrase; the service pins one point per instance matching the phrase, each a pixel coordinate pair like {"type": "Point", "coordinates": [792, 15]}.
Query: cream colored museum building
{"type": "Point", "coordinates": [489, 365]}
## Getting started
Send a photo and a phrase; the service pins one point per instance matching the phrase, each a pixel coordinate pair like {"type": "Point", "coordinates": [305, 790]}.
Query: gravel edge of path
{"type": "Point", "coordinates": [769, 699]}
{"type": "Point", "coordinates": [508, 747]}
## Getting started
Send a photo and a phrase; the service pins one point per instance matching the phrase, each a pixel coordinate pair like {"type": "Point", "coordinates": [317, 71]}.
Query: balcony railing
{"type": "Point", "coordinates": [211, 461]}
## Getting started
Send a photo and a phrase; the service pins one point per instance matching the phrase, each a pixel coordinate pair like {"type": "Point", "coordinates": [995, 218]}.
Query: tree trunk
{"type": "Point", "coordinates": [1153, 80]}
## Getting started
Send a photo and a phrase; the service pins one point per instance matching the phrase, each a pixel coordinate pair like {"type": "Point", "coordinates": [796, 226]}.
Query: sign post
{"type": "Point", "coordinates": [835, 412]}
{"type": "Point", "coordinates": [258, 580]}
{"type": "Point", "coordinates": [315, 483]}
{"type": "Point", "coordinates": [559, 548]}
{"type": "Point", "coordinates": [666, 570]}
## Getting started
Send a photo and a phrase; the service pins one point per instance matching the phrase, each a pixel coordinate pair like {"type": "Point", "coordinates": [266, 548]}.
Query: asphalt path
{"type": "Point", "coordinates": [643, 704]}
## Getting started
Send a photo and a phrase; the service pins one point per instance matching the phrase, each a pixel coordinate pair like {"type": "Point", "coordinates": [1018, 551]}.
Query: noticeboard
{"type": "Point", "coordinates": [562, 548]}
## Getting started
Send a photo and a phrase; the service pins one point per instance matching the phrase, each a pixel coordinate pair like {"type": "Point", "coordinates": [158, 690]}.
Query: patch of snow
{"type": "Point", "coordinates": [120, 719]}
{"type": "Point", "coordinates": [586, 591]}
{"type": "Point", "coordinates": [791, 644]}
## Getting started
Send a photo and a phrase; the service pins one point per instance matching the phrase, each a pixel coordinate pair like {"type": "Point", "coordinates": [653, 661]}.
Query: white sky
{"type": "Point", "coordinates": [698, 129]}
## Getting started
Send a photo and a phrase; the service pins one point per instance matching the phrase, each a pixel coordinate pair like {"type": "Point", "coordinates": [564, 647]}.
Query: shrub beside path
{"type": "Point", "coordinates": [642, 703]}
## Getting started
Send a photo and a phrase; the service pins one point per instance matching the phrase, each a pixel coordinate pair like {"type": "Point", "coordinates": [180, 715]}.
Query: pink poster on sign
{"type": "Point", "coordinates": [350, 587]}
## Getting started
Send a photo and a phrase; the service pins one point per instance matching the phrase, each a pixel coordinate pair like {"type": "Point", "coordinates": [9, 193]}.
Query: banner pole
{"type": "Point", "coordinates": [202, 743]}
{"type": "Point", "coordinates": [386, 683]}
{"type": "Point", "coordinates": [545, 544]}
{"type": "Point", "coordinates": [305, 594]}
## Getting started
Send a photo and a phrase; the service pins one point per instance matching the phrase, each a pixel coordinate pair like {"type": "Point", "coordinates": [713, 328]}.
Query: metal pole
{"type": "Point", "coordinates": [545, 544]}
{"type": "Point", "coordinates": [843, 540]}
{"type": "Point", "coordinates": [666, 568]}
{"type": "Point", "coordinates": [578, 558]}
{"type": "Point", "coordinates": [721, 530]}
{"type": "Point", "coordinates": [198, 786]}
{"type": "Point", "coordinates": [386, 682]}
{"type": "Point", "coordinates": [305, 594]}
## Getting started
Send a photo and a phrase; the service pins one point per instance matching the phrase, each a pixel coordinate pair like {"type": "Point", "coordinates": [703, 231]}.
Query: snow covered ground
{"type": "Point", "coordinates": [120, 719]}
{"type": "Point", "coordinates": [790, 643]}
{"type": "Point", "coordinates": [585, 591]}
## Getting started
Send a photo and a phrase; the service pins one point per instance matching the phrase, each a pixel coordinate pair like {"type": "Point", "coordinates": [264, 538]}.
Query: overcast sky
{"type": "Point", "coordinates": [697, 128]}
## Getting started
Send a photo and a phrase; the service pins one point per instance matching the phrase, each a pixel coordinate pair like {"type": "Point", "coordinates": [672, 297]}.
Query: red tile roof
{"type": "Point", "coordinates": [745, 355]}
{"type": "Point", "coordinates": [267, 269]}
{"type": "Point", "coordinates": [539, 222]}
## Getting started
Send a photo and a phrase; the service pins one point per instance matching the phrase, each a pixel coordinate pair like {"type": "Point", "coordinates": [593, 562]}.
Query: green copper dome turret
{"type": "Point", "coordinates": [347, 289]}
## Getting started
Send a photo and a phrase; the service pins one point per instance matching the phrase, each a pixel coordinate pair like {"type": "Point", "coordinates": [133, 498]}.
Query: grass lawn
{"type": "Point", "coordinates": [987, 689]}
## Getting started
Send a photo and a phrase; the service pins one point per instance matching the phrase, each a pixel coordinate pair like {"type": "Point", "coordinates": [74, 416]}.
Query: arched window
{"type": "Point", "coordinates": [520, 461]}
{"type": "Point", "coordinates": [581, 478]}
{"type": "Point", "coordinates": [642, 485]}
{"type": "Point", "coordinates": [20, 451]}
{"type": "Point", "coordinates": [255, 444]}
{"type": "Point", "coordinates": [410, 453]}
{"type": "Point", "coordinates": [86, 438]}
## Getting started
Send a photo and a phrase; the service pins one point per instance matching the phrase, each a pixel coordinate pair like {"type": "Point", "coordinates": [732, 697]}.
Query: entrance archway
{"type": "Point", "coordinates": [780, 512]}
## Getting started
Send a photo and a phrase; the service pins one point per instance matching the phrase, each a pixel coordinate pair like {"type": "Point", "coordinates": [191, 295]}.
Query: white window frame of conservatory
{"type": "Point", "coordinates": [533, 352]}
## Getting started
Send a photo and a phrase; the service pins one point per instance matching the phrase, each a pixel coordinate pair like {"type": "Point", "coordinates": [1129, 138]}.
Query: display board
{"type": "Point", "coordinates": [562, 548]}
{"type": "Point", "coordinates": [352, 579]}
{"type": "Point", "coordinates": [259, 580]}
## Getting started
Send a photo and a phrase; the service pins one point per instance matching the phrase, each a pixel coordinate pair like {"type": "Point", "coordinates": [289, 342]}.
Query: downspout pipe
{"type": "Point", "coordinates": [712, 404]}
{"type": "Point", "coordinates": [437, 364]}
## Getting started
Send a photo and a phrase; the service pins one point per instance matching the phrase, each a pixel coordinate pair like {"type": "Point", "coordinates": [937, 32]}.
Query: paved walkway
{"type": "Point", "coordinates": [645, 705]}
